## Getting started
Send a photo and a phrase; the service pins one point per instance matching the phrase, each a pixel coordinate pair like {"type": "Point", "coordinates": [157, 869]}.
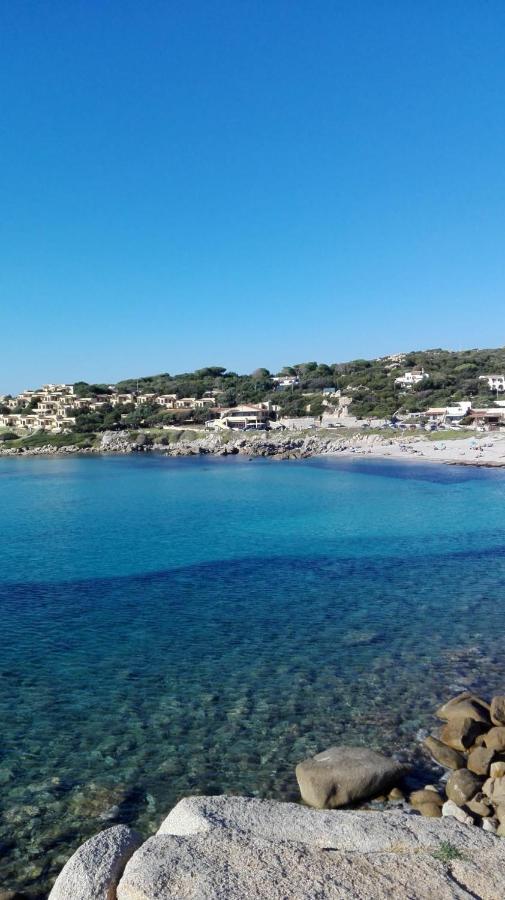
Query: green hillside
{"type": "Point", "coordinates": [453, 376]}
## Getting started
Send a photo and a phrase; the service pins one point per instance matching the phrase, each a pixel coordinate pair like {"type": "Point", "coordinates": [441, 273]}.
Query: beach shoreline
{"type": "Point", "coordinates": [484, 450]}
{"type": "Point", "coordinates": [484, 453]}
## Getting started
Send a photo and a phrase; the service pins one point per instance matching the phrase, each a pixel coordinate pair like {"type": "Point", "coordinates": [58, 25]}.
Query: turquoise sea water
{"type": "Point", "coordinates": [187, 626]}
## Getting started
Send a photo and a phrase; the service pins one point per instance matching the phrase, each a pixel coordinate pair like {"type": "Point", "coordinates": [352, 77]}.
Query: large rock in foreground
{"type": "Point", "coordinates": [211, 848]}
{"type": "Point", "coordinates": [342, 775]}
{"type": "Point", "coordinates": [92, 873]}
{"type": "Point", "coordinates": [350, 830]}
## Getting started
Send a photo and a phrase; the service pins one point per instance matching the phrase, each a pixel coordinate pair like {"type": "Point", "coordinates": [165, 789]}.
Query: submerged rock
{"type": "Point", "coordinates": [97, 800]}
{"type": "Point", "coordinates": [342, 775]}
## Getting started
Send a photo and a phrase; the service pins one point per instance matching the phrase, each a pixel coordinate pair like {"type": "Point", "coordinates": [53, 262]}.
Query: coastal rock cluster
{"type": "Point", "coordinates": [280, 445]}
{"type": "Point", "coordinates": [237, 847]}
{"type": "Point", "coordinates": [277, 445]}
{"type": "Point", "coordinates": [471, 745]}
{"type": "Point", "coordinates": [210, 847]}
{"type": "Point", "coordinates": [45, 450]}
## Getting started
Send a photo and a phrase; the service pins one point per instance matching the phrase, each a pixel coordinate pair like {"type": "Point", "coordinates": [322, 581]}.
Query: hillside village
{"type": "Point", "coordinates": [428, 390]}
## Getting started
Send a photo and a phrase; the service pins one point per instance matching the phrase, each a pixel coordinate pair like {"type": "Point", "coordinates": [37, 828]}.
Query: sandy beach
{"type": "Point", "coordinates": [482, 450]}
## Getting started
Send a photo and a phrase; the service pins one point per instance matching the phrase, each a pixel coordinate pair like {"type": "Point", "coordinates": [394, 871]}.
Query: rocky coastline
{"type": "Point", "coordinates": [488, 450]}
{"type": "Point", "coordinates": [237, 847]}
{"type": "Point", "coordinates": [273, 444]}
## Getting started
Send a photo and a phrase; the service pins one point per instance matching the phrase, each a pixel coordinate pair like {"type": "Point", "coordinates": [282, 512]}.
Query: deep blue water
{"type": "Point", "coordinates": [178, 626]}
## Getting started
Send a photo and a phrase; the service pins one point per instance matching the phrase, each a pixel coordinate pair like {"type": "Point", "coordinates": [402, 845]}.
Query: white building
{"type": "Point", "coordinates": [283, 382]}
{"type": "Point", "coordinates": [449, 415]}
{"type": "Point", "coordinates": [494, 382]}
{"type": "Point", "coordinates": [247, 416]}
{"type": "Point", "coordinates": [44, 409]}
{"type": "Point", "coordinates": [488, 419]}
{"type": "Point", "coordinates": [408, 379]}
{"type": "Point", "coordinates": [121, 399]}
{"type": "Point", "coordinates": [166, 400]}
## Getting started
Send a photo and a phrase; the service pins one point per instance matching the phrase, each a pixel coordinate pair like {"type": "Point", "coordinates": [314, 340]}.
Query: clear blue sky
{"type": "Point", "coordinates": [247, 183]}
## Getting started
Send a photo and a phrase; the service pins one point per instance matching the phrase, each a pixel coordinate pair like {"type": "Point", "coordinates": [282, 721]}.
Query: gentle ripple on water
{"type": "Point", "coordinates": [122, 694]}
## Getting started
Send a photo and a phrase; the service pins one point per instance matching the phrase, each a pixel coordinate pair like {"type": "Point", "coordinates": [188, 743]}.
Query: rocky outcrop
{"type": "Point", "coordinates": [462, 785]}
{"type": "Point", "coordinates": [211, 848]}
{"type": "Point", "coordinates": [443, 755]}
{"type": "Point", "coordinates": [476, 789]}
{"type": "Point", "coordinates": [116, 442]}
{"type": "Point", "coordinates": [276, 444]}
{"type": "Point", "coordinates": [479, 760]}
{"type": "Point", "coordinates": [350, 830]}
{"type": "Point", "coordinates": [495, 738]}
{"type": "Point", "coordinates": [464, 706]}
{"type": "Point", "coordinates": [494, 788]}
{"type": "Point", "coordinates": [460, 733]}
{"type": "Point", "coordinates": [497, 710]}
{"type": "Point", "coordinates": [428, 802]}
{"type": "Point", "coordinates": [342, 775]}
{"type": "Point", "coordinates": [47, 450]}
{"type": "Point", "coordinates": [93, 872]}
{"type": "Point", "coordinates": [452, 810]}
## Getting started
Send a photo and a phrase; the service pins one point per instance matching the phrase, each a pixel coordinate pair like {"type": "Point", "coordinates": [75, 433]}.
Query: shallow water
{"type": "Point", "coordinates": [194, 626]}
